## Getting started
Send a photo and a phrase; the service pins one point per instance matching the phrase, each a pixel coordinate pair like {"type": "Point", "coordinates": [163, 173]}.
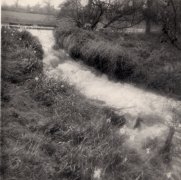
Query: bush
{"type": "Point", "coordinates": [32, 43]}
{"type": "Point", "coordinates": [136, 58]}
{"type": "Point", "coordinates": [45, 90]}
{"type": "Point", "coordinates": [158, 69]}
{"type": "Point", "coordinates": [94, 51]}
{"type": "Point", "coordinates": [22, 55]}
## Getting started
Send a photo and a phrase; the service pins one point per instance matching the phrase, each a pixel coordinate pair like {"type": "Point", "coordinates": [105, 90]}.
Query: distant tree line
{"type": "Point", "coordinates": [120, 14]}
{"type": "Point", "coordinates": [47, 8]}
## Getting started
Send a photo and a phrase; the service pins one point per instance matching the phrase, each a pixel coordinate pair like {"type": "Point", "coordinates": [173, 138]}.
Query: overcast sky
{"type": "Point", "coordinates": [33, 2]}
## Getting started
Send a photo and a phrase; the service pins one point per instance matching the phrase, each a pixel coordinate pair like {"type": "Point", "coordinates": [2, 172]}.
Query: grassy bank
{"type": "Point", "coordinates": [22, 55]}
{"type": "Point", "coordinates": [139, 59]}
{"type": "Point", "coordinates": [50, 131]}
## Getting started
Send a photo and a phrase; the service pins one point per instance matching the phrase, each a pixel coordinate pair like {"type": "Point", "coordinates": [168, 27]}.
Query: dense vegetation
{"type": "Point", "coordinates": [49, 131]}
{"type": "Point", "coordinates": [123, 14]}
{"type": "Point", "coordinates": [22, 55]}
{"type": "Point", "coordinates": [140, 59]}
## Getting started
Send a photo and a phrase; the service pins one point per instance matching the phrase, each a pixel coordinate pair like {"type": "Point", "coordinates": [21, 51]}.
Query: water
{"type": "Point", "coordinates": [130, 99]}
{"type": "Point", "coordinates": [158, 112]}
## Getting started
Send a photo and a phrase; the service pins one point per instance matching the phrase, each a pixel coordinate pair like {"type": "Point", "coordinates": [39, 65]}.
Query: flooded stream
{"type": "Point", "coordinates": [157, 112]}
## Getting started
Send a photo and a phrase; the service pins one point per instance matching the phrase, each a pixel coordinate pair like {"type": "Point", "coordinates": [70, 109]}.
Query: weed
{"type": "Point", "coordinates": [137, 58]}
{"type": "Point", "coordinates": [21, 60]}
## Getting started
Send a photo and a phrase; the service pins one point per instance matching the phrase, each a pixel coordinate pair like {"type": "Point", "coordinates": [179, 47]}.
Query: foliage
{"type": "Point", "coordinates": [118, 15]}
{"type": "Point", "coordinates": [68, 139]}
{"type": "Point", "coordinates": [139, 59]}
{"type": "Point", "coordinates": [157, 65]}
{"type": "Point", "coordinates": [123, 14]}
{"type": "Point", "coordinates": [166, 14]}
{"type": "Point", "coordinates": [22, 57]}
{"type": "Point", "coordinates": [96, 52]}
{"type": "Point", "coordinates": [50, 131]}
{"type": "Point", "coordinates": [170, 21]}
{"type": "Point", "coordinates": [85, 16]}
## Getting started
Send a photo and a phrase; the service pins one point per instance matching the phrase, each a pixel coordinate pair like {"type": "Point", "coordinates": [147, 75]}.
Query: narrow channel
{"type": "Point", "coordinates": [158, 112]}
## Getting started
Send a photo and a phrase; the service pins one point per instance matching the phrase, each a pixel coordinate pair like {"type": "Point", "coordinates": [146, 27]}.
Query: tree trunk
{"type": "Point", "coordinates": [148, 26]}
{"type": "Point", "coordinates": [149, 4]}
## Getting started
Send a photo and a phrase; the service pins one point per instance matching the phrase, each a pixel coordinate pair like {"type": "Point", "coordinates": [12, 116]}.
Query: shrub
{"type": "Point", "coordinates": [94, 51]}
{"type": "Point", "coordinates": [136, 58]}
{"type": "Point", "coordinates": [32, 43]}
{"type": "Point", "coordinates": [45, 90]}
{"type": "Point", "coordinates": [22, 55]}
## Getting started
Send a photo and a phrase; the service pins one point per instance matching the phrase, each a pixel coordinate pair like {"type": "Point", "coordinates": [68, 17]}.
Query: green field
{"type": "Point", "coordinates": [27, 18]}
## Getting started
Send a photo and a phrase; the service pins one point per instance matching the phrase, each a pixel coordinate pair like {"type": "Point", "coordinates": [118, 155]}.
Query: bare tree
{"type": "Point", "coordinates": [168, 17]}
{"type": "Point", "coordinates": [147, 9]}
{"type": "Point", "coordinates": [72, 9]}
{"type": "Point", "coordinates": [123, 14]}
{"type": "Point", "coordinates": [85, 16]}
{"type": "Point", "coordinates": [95, 10]}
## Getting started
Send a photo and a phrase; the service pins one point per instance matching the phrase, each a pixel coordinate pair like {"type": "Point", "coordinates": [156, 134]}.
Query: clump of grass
{"type": "Point", "coordinates": [158, 69]}
{"type": "Point", "coordinates": [68, 139]}
{"type": "Point", "coordinates": [108, 58]}
{"type": "Point", "coordinates": [45, 90]}
{"type": "Point", "coordinates": [22, 55]}
{"type": "Point", "coordinates": [137, 58]}
{"type": "Point", "coordinates": [103, 55]}
{"type": "Point", "coordinates": [83, 139]}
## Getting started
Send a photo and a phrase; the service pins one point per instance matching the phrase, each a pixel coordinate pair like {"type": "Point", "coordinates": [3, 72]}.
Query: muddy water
{"type": "Point", "coordinates": [157, 112]}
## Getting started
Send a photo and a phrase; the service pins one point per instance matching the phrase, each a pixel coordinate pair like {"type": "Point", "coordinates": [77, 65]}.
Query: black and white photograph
{"type": "Point", "coordinates": [90, 90]}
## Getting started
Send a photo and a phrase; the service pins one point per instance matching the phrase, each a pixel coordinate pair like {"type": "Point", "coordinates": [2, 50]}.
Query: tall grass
{"type": "Point", "coordinates": [78, 138]}
{"type": "Point", "coordinates": [22, 55]}
{"type": "Point", "coordinates": [95, 51]}
{"type": "Point", "coordinates": [139, 59]}
{"type": "Point", "coordinates": [50, 131]}
{"type": "Point", "coordinates": [65, 137]}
